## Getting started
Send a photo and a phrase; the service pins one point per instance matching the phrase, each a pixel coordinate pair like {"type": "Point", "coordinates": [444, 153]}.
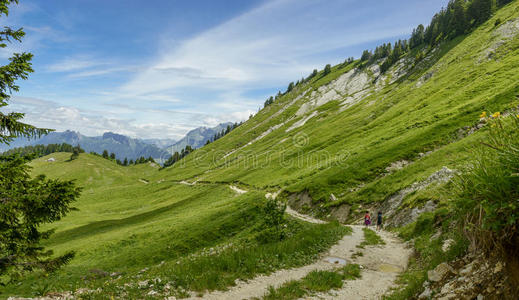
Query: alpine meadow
{"type": "Point", "coordinates": [391, 175]}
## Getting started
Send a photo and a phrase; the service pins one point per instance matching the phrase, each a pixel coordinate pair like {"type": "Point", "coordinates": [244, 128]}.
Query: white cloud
{"type": "Point", "coordinates": [74, 63]}
{"type": "Point", "coordinates": [277, 42]}
{"type": "Point", "coordinates": [151, 124]}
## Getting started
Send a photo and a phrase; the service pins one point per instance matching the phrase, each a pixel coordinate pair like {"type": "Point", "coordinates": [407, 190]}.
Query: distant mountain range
{"type": "Point", "coordinates": [196, 138]}
{"type": "Point", "coordinates": [123, 146]}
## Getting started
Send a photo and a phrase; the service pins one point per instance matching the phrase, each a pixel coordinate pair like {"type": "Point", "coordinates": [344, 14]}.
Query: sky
{"type": "Point", "coordinates": [158, 68]}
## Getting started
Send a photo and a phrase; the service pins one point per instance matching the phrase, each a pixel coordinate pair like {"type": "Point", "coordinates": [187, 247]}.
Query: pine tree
{"type": "Point", "coordinates": [290, 87]}
{"type": "Point", "coordinates": [75, 153]}
{"type": "Point", "coordinates": [112, 155]}
{"type": "Point", "coordinates": [459, 19]}
{"type": "Point", "coordinates": [105, 154]}
{"type": "Point", "coordinates": [366, 55]}
{"type": "Point", "coordinates": [125, 162]}
{"type": "Point", "coordinates": [27, 202]}
{"type": "Point", "coordinates": [327, 69]}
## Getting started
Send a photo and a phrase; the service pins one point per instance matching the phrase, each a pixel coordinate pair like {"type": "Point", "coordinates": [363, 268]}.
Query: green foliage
{"type": "Point", "coordinates": [269, 101]}
{"type": "Point", "coordinates": [42, 150]}
{"type": "Point", "coordinates": [488, 193]}
{"type": "Point", "coordinates": [19, 67]}
{"type": "Point", "coordinates": [327, 70]}
{"type": "Point", "coordinates": [178, 156]}
{"type": "Point", "coordinates": [27, 204]}
{"type": "Point", "coordinates": [290, 87]}
{"type": "Point", "coordinates": [428, 249]}
{"type": "Point", "coordinates": [274, 224]}
{"type": "Point", "coordinates": [75, 153]}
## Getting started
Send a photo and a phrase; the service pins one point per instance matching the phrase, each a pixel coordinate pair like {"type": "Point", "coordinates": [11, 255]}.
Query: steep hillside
{"type": "Point", "coordinates": [364, 136]}
{"type": "Point", "coordinates": [336, 145]}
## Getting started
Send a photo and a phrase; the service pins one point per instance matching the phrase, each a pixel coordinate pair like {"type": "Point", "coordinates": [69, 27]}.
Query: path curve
{"type": "Point", "coordinates": [300, 216]}
{"type": "Point", "coordinates": [237, 189]}
{"type": "Point", "coordinates": [380, 265]}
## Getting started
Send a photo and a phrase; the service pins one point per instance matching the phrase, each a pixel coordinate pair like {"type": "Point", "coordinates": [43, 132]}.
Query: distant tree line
{"type": "Point", "coordinates": [224, 132]}
{"type": "Point", "coordinates": [125, 162]}
{"type": "Point", "coordinates": [178, 156]}
{"type": "Point", "coordinates": [42, 150]}
{"type": "Point", "coordinates": [458, 18]}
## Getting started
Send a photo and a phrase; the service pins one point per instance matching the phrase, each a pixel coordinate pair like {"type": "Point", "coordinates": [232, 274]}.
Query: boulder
{"type": "Point", "coordinates": [426, 294]}
{"type": "Point", "coordinates": [440, 272]}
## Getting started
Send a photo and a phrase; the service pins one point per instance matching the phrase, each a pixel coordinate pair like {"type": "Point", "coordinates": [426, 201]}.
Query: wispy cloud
{"type": "Point", "coordinates": [79, 62]}
{"type": "Point", "coordinates": [279, 41]}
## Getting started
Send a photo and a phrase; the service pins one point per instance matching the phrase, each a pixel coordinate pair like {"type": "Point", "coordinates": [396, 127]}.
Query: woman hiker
{"type": "Point", "coordinates": [379, 220]}
{"type": "Point", "coordinates": [367, 219]}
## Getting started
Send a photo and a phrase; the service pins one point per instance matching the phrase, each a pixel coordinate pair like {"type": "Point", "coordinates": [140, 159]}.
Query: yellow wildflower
{"type": "Point", "coordinates": [496, 115]}
{"type": "Point", "coordinates": [517, 116]}
{"type": "Point", "coordinates": [483, 115]}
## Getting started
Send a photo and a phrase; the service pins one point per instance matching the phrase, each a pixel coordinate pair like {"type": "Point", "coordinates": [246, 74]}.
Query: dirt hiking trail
{"type": "Point", "coordinates": [380, 266]}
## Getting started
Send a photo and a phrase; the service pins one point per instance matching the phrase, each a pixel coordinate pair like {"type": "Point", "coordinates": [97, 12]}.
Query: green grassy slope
{"type": "Point", "coordinates": [132, 218]}
{"type": "Point", "coordinates": [136, 217]}
{"type": "Point", "coordinates": [343, 149]}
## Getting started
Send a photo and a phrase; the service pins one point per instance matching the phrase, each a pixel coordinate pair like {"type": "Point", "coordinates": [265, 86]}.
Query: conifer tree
{"type": "Point", "coordinates": [75, 153]}
{"type": "Point", "coordinates": [26, 202]}
{"type": "Point", "coordinates": [327, 69]}
{"type": "Point", "coordinates": [290, 87]}
{"type": "Point", "coordinates": [459, 18]}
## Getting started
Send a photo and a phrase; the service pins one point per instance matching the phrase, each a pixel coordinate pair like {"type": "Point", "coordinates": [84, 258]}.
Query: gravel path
{"type": "Point", "coordinates": [237, 189]}
{"type": "Point", "coordinates": [380, 265]}
{"type": "Point", "coordinates": [258, 286]}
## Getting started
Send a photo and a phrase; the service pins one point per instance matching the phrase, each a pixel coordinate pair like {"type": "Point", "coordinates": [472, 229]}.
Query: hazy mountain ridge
{"type": "Point", "coordinates": [123, 146]}
{"type": "Point", "coordinates": [197, 137]}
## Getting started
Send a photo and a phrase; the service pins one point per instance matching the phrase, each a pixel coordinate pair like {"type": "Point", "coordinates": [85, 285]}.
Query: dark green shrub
{"type": "Point", "coordinates": [274, 225]}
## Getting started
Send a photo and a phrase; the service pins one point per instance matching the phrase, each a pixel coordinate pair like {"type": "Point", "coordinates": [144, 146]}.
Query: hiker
{"type": "Point", "coordinates": [379, 220]}
{"type": "Point", "coordinates": [367, 219]}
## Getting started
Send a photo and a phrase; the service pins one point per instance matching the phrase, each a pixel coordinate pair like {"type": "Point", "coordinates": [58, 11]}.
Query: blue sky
{"type": "Point", "coordinates": [158, 68]}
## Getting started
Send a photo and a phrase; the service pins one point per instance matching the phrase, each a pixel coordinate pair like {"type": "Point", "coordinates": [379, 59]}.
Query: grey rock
{"type": "Point", "coordinates": [425, 294]}
{"type": "Point", "coordinates": [440, 272]}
